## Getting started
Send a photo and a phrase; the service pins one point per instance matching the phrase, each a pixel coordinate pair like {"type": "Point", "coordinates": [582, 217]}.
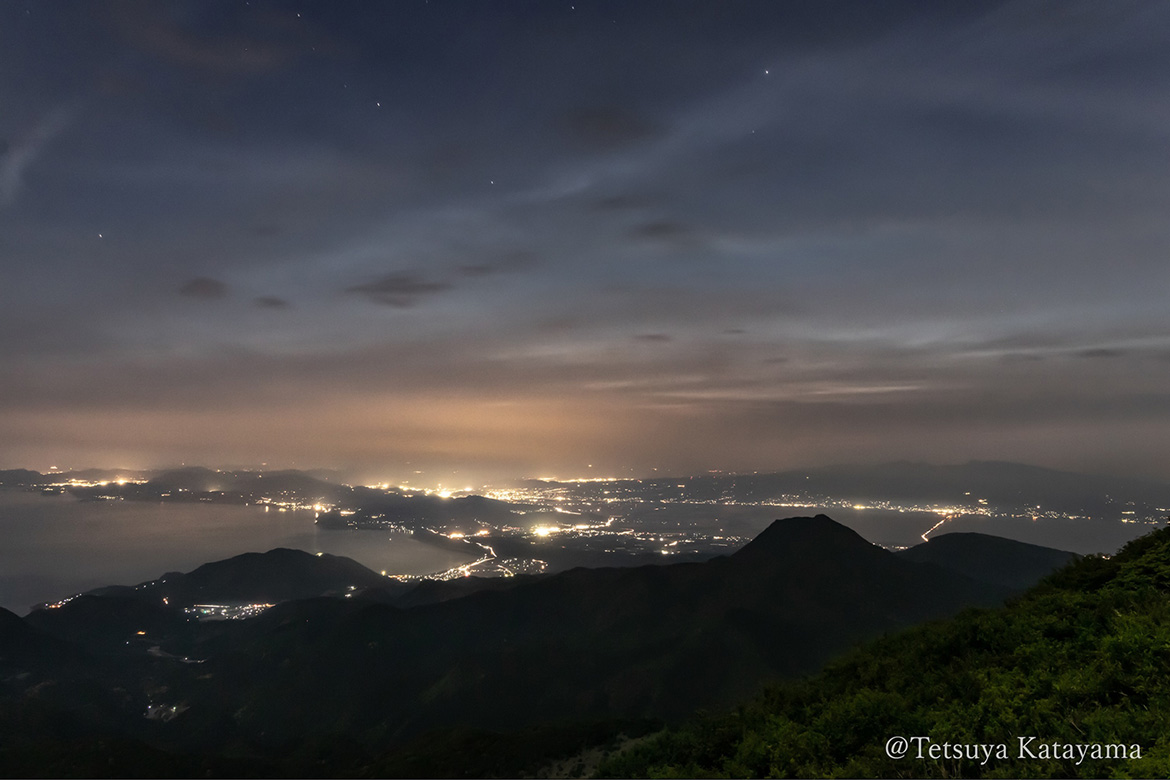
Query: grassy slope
{"type": "Point", "coordinates": [1084, 657]}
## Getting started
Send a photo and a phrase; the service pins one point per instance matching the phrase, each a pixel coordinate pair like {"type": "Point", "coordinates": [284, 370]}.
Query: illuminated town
{"type": "Point", "coordinates": [225, 611]}
{"type": "Point", "coordinates": [538, 526]}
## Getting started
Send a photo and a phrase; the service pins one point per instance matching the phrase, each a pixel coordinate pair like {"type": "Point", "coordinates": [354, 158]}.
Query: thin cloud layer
{"type": "Point", "coordinates": [731, 236]}
{"type": "Point", "coordinates": [18, 154]}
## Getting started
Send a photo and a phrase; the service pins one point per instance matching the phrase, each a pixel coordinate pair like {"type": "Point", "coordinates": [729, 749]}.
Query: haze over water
{"type": "Point", "coordinates": [55, 546]}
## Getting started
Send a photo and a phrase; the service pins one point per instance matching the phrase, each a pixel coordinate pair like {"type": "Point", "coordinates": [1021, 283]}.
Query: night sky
{"type": "Point", "coordinates": [584, 239]}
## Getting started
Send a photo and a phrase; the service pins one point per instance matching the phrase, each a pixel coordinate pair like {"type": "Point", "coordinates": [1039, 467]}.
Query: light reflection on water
{"type": "Point", "coordinates": [55, 546]}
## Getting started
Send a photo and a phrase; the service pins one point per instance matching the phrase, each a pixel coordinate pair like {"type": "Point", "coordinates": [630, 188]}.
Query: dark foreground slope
{"type": "Point", "coordinates": [1006, 562]}
{"type": "Point", "coordinates": [342, 685]}
{"type": "Point", "coordinates": [1082, 659]}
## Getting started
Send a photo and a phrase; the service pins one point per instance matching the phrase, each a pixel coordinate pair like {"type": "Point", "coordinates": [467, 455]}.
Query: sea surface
{"type": "Point", "coordinates": [55, 546]}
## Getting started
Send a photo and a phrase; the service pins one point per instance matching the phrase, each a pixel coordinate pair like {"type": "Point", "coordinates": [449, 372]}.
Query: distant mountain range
{"type": "Point", "coordinates": [403, 508]}
{"type": "Point", "coordinates": [334, 683]}
{"type": "Point", "coordinates": [996, 482]}
{"type": "Point", "coordinates": [1080, 512]}
{"type": "Point", "coordinates": [194, 480]}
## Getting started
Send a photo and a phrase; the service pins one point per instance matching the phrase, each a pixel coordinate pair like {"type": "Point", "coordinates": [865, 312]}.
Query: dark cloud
{"type": "Point", "coordinates": [1101, 352]}
{"type": "Point", "coordinates": [735, 331]}
{"type": "Point", "coordinates": [607, 128]}
{"type": "Point", "coordinates": [402, 289]}
{"type": "Point", "coordinates": [664, 230]}
{"type": "Point", "coordinates": [512, 262]}
{"type": "Point", "coordinates": [478, 269]}
{"type": "Point", "coordinates": [204, 287]}
{"type": "Point", "coordinates": [270, 302]}
{"type": "Point", "coordinates": [654, 337]}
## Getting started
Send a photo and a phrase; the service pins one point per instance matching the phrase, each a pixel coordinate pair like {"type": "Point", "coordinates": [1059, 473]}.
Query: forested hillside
{"type": "Point", "coordinates": [1083, 659]}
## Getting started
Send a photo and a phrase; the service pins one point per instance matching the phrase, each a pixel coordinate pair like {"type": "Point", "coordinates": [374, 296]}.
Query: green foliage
{"type": "Point", "coordinates": [1082, 658]}
{"type": "Point", "coordinates": [480, 753]}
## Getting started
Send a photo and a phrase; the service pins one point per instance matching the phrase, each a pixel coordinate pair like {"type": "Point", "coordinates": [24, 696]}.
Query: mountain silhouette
{"type": "Point", "coordinates": [588, 642]}
{"type": "Point", "coordinates": [371, 673]}
{"type": "Point", "coordinates": [992, 559]}
{"type": "Point", "coordinates": [1080, 656]}
{"type": "Point", "coordinates": [257, 578]}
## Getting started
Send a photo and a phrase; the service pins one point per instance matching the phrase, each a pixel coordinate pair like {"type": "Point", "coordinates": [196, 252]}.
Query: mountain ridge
{"type": "Point", "coordinates": [281, 574]}
{"type": "Point", "coordinates": [987, 558]}
{"type": "Point", "coordinates": [650, 642]}
{"type": "Point", "coordinates": [1079, 659]}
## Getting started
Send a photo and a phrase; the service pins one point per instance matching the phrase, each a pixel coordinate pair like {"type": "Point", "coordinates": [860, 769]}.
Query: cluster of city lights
{"type": "Point", "coordinates": [225, 611]}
